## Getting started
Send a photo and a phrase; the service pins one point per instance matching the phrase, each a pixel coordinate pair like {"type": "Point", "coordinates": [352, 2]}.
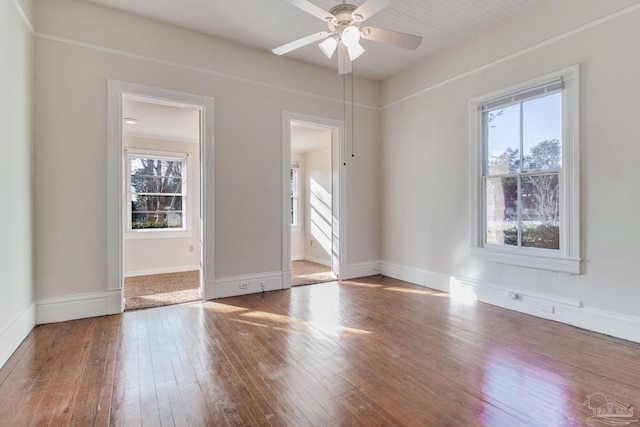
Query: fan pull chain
{"type": "Point", "coordinates": [344, 114]}
{"type": "Point", "coordinates": [353, 119]}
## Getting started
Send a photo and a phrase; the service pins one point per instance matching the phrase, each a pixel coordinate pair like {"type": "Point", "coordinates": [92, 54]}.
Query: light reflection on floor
{"type": "Point", "coordinates": [528, 392]}
{"type": "Point", "coordinates": [323, 324]}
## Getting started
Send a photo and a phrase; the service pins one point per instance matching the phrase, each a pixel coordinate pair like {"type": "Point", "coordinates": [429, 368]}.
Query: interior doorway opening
{"type": "Point", "coordinates": [161, 199]}
{"type": "Point", "coordinates": [313, 243]}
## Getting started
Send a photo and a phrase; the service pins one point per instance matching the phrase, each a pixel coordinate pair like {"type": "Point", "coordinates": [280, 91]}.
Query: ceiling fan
{"type": "Point", "coordinates": [344, 22]}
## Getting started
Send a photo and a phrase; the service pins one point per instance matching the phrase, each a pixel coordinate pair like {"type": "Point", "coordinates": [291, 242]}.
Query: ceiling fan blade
{"type": "Point", "coordinates": [370, 7]}
{"type": "Point", "coordinates": [311, 8]}
{"type": "Point", "coordinates": [344, 63]}
{"type": "Point", "coordinates": [296, 44]}
{"type": "Point", "coordinates": [407, 41]}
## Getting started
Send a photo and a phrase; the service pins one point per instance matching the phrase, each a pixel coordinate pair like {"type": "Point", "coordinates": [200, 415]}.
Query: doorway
{"type": "Point", "coordinates": [312, 208]}
{"type": "Point", "coordinates": [161, 202]}
{"type": "Point", "coordinates": [160, 206]}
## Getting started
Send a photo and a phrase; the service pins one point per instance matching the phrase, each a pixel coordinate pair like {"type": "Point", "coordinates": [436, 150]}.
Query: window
{"type": "Point", "coordinates": [157, 191]}
{"type": "Point", "coordinates": [525, 174]}
{"type": "Point", "coordinates": [295, 194]}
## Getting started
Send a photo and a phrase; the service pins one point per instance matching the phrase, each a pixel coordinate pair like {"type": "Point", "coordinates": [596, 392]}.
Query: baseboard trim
{"type": "Point", "coordinates": [286, 279]}
{"type": "Point", "coordinates": [255, 283]}
{"type": "Point", "coordinates": [210, 289]}
{"type": "Point", "coordinates": [560, 309]}
{"type": "Point", "coordinates": [163, 270]}
{"type": "Point", "coordinates": [326, 263]}
{"type": "Point", "coordinates": [115, 302]}
{"type": "Point", "coordinates": [359, 269]}
{"type": "Point", "coordinates": [75, 307]}
{"type": "Point", "coordinates": [15, 332]}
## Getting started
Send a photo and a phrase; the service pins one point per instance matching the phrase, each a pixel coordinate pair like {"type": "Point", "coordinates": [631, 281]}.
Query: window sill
{"type": "Point", "coordinates": [530, 260]}
{"type": "Point", "coordinates": [153, 234]}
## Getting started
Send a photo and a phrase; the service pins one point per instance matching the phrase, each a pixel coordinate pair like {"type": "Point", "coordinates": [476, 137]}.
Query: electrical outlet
{"type": "Point", "coordinates": [190, 248]}
{"type": "Point", "coordinates": [244, 285]}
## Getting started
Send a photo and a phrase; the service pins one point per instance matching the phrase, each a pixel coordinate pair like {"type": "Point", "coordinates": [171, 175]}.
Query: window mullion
{"type": "Point", "coordinates": [520, 170]}
{"type": "Point", "coordinates": [519, 210]}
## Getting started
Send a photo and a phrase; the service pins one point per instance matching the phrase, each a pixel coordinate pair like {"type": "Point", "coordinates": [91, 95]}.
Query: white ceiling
{"type": "Point", "coordinates": [266, 24]}
{"type": "Point", "coordinates": [306, 138]}
{"type": "Point", "coordinates": [160, 121]}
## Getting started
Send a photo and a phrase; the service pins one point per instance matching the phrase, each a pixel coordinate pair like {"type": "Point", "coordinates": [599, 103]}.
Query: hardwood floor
{"type": "Point", "coordinates": [374, 351]}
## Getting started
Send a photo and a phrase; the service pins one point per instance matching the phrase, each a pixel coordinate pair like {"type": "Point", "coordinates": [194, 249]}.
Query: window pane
{"type": "Point", "coordinates": [541, 211]}
{"type": "Point", "coordinates": [156, 203]}
{"type": "Point", "coordinates": [503, 140]}
{"type": "Point", "coordinates": [156, 176]}
{"type": "Point", "coordinates": [501, 207]}
{"type": "Point", "coordinates": [151, 184]}
{"type": "Point", "coordinates": [156, 167]}
{"type": "Point", "coordinates": [542, 133]}
{"type": "Point", "coordinates": [142, 220]}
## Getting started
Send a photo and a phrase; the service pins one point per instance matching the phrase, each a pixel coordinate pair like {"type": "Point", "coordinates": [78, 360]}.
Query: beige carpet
{"type": "Point", "coordinates": [161, 289]}
{"type": "Point", "coordinates": [308, 273]}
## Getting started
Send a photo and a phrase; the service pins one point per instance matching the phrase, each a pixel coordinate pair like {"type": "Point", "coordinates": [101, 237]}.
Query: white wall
{"type": "Point", "coordinates": [17, 310]}
{"type": "Point", "coordinates": [164, 253]}
{"type": "Point", "coordinates": [77, 50]}
{"type": "Point", "coordinates": [318, 203]}
{"type": "Point", "coordinates": [425, 155]}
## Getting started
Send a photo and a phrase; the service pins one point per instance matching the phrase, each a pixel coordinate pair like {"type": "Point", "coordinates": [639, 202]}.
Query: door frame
{"type": "Point", "coordinates": [339, 185]}
{"type": "Point", "coordinates": [115, 186]}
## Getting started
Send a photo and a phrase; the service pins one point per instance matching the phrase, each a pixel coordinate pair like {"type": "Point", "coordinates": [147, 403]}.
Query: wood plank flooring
{"type": "Point", "coordinates": [374, 351]}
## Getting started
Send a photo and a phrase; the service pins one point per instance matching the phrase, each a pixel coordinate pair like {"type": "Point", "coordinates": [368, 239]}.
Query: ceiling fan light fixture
{"type": "Point", "coordinates": [354, 50]}
{"type": "Point", "coordinates": [328, 47]}
{"type": "Point", "coordinates": [350, 35]}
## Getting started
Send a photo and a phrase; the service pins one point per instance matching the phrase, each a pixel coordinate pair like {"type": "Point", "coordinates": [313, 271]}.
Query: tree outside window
{"type": "Point", "coordinates": [157, 192]}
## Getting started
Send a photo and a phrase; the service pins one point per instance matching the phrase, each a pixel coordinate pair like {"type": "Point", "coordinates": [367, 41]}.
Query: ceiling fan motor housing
{"type": "Point", "coordinates": [343, 17]}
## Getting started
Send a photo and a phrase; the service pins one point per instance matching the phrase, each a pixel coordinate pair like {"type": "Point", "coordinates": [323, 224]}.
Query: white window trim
{"type": "Point", "coordinates": [156, 233]}
{"type": "Point", "coordinates": [567, 259]}
{"type": "Point", "coordinates": [297, 199]}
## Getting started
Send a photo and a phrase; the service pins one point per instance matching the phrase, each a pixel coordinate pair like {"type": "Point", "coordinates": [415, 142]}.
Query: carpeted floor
{"type": "Point", "coordinates": [161, 289]}
{"type": "Point", "coordinates": [307, 273]}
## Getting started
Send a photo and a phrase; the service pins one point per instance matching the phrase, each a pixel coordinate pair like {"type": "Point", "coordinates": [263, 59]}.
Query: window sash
{"type": "Point", "coordinates": [525, 224]}
{"type": "Point", "coordinates": [548, 88]}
